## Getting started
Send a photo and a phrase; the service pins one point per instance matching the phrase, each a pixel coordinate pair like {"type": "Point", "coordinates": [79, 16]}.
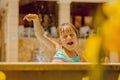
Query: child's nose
{"type": "Point", "coordinates": [69, 37]}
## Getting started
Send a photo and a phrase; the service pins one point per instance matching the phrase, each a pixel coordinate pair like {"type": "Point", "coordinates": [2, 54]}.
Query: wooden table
{"type": "Point", "coordinates": [57, 71]}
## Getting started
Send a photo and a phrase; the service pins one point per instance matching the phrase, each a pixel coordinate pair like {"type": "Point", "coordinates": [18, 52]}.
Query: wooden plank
{"type": "Point", "coordinates": [25, 66]}
{"type": "Point", "coordinates": [43, 66]}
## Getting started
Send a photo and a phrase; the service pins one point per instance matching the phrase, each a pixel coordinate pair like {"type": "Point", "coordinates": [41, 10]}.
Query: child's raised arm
{"type": "Point", "coordinates": [50, 44]}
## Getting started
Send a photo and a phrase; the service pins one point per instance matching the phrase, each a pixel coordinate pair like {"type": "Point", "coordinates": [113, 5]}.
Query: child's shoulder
{"type": "Point", "coordinates": [60, 53]}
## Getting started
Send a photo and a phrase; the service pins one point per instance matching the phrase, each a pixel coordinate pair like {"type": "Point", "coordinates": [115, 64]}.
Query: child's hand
{"type": "Point", "coordinates": [30, 17]}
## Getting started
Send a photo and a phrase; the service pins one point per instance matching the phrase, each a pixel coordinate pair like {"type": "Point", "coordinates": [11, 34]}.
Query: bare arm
{"type": "Point", "coordinates": [50, 44]}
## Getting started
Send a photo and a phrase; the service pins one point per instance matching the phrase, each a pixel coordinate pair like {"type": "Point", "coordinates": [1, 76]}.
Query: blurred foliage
{"type": "Point", "coordinates": [107, 26]}
{"type": "Point", "coordinates": [2, 76]}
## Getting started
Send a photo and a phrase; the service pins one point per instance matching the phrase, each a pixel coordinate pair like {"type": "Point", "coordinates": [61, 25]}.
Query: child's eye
{"type": "Point", "coordinates": [65, 36]}
{"type": "Point", "coordinates": [72, 35]}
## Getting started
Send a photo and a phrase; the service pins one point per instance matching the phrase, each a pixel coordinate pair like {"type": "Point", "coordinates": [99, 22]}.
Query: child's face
{"type": "Point", "coordinates": [68, 39]}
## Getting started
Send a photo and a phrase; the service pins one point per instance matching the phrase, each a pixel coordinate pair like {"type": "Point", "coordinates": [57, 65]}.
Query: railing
{"type": "Point", "coordinates": [56, 71]}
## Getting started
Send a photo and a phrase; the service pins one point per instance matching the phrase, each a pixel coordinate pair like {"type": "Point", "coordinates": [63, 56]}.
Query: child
{"type": "Point", "coordinates": [68, 40]}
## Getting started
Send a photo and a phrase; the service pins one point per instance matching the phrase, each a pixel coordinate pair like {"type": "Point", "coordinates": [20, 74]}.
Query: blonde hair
{"type": "Point", "coordinates": [67, 27]}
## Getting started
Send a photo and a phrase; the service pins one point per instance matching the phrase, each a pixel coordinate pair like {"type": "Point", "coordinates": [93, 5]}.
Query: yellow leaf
{"type": "Point", "coordinates": [92, 48]}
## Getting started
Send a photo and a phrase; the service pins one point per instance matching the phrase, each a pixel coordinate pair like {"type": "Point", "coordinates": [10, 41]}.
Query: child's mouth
{"type": "Point", "coordinates": [70, 43]}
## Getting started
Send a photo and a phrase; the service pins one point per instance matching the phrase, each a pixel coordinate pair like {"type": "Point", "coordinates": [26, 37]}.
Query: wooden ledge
{"type": "Point", "coordinates": [25, 66]}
